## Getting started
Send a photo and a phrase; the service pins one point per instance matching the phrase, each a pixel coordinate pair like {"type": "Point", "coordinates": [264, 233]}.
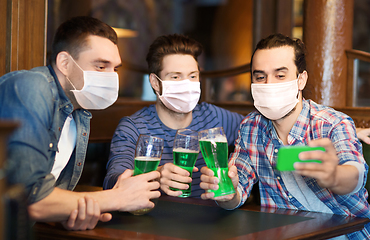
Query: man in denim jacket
{"type": "Point", "coordinates": [46, 153]}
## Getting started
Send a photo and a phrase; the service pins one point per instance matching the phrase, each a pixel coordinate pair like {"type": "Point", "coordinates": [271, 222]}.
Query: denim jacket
{"type": "Point", "coordinates": [37, 101]}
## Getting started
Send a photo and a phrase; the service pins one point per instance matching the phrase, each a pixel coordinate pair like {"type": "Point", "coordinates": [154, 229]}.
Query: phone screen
{"type": "Point", "coordinates": [288, 155]}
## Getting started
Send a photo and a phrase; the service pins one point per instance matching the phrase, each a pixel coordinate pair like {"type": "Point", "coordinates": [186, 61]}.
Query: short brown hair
{"type": "Point", "coordinates": [279, 40]}
{"type": "Point", "coordinates": [171, 44]}
{"type": "Point", "coordinates": [72, 34]}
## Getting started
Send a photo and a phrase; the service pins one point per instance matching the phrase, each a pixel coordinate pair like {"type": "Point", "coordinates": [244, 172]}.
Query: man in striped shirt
{"type": "Point", "coordinates": [284, 118]}
{"type": "Point", "coordinates": [174, 77]}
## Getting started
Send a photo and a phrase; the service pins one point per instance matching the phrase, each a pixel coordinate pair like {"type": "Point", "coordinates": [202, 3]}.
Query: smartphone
{"type": "Point", "coordinates": [287, 156]}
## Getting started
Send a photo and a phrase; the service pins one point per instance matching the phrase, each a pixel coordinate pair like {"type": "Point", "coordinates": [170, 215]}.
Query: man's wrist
{"type": "Point", "coordinates": [230, 204]}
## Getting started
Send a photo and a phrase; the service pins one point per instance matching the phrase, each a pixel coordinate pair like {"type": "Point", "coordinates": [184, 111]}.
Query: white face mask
{"type": "Point", "coordinates": [100, 89]}
{"type": "Point", "coordinates": [275, 100]}
{"type": "Point", "coordinates": [180, 96]}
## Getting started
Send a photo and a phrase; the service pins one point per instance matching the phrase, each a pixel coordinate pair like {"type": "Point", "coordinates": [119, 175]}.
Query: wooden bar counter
{"type": "Point", "coordinates": [176, 218]}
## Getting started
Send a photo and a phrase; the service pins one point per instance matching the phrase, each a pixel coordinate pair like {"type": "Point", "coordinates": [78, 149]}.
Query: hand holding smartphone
{"type": "Point", "coordinates": [288, 155]}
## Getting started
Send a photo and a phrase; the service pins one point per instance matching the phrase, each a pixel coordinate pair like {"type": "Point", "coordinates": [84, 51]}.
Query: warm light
{"type": "Point", "coordinates": [125, 33]}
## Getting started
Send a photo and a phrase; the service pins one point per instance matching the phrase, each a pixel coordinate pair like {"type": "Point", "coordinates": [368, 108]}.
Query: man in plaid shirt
{"type": "Point", "coordinates": [284, 117]}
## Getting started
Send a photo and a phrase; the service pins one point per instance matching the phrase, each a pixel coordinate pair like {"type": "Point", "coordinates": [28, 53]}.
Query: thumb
{"type": "Point", "coordinates": [105, 217]}
{"type": "Point", "coordinates": [126, 174]}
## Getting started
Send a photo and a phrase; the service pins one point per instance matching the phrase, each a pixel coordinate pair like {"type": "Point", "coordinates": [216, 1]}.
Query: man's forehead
{"type": "Point", "coordinates": [274, 58]}
{"type": "Point", "coordinates": [179, 63]}
{"type": "Point", "coordinates": [101, 49]}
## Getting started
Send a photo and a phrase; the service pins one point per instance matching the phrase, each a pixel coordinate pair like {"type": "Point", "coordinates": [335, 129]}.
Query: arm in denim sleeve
{"type": "Point", "coordinates": [27, 98]}
{"type": "Point", "coordinates": [122, 151]}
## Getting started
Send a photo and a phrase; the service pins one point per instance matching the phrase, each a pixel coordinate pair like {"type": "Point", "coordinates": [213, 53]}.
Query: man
{"type": "Point", "coordinates": [174, 77]}
{"type": "Point", "coordinates": [284, 118]}
{"type": "Point", "coordinates": [46, 153]}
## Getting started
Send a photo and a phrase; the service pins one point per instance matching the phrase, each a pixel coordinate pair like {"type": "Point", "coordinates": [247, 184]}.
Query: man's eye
{"type": "Point", "coordinates": [259, 78]}
{"type": "Point", "coordinates": [281, 76]}
{"type": "Point", "coordinates": [100, 67]}
{"type": "Point", "coordinates": [175, 77]}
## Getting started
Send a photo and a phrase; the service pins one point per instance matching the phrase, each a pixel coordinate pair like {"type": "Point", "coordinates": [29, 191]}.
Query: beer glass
{"type": "Point", "coordinates": [185, 154]}
{"type": "Point", "coordinates": [148, 154]}
{"type": "Point", "coordinates": [214, 148]}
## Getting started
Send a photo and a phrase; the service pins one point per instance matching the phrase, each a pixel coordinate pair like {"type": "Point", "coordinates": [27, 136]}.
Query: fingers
{"type": "Point", "coordinates": [71, 221]}
{"type": "Point", "coordinates": [323, 142]}
{"type": "Point", "coordinates": [329, 156]}
{"type": "Point", "coordinates": [82, 210]}
{"type": "Point", "coordinates": [207, 171]}
{"type": "Point", "coordinates": [170, 168]}
{"type": "Point", "coordinates": [208, 181]}
{"type": "Point", "coordinates": [153, 185]}
{"type": "Point", "coordinates": [86, 216]}
{"type": "Point", "coordinates": [233, 175]}
{"type": "Point", "coordinates": [173, 176]}
{"type": "Point", "coordinates": [154, 194]}
{"type": "Point", "coordinates": [166, 184]}
{"type": "Point", "coordinates": [363, 134]}
{"type": "Point", "coordinates": [323, 172]}
{"type": "Point", "coordinates": [93, 213]}
{"type": "Point", "coordinates": [76, 217]}
{"type": "Point", "coordinates": [207, 195]}
{"type": "Point", "coordinates": [150, 176]}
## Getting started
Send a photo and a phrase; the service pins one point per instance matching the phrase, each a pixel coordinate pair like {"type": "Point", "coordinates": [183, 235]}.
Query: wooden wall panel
{"type": "Point", "coordinates": [3, 34]}
{"type": "Point", "coordinates": [22, 34]}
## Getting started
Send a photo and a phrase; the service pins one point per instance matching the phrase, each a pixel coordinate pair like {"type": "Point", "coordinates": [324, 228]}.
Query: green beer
{"type": "Point", "coordinates": [145, 164]}
{"type": "Point", "coordinates": [215, 154]}
{"type": "Point", "coordinates": [185, 159]}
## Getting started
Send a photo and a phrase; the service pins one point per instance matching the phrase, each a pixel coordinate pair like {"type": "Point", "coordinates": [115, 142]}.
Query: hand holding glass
{"type": "Point", "coordinates": [148, 154]}
{"type": "Point", "coordinates": [185, 154]}
{"type": "Point", "coordinates": [214, 148]}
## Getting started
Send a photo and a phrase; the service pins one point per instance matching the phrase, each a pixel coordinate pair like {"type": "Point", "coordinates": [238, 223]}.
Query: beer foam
{"type": "Point", "coordinates": [216, 139]}
{"type": "Point", "coordinates": [184, 150]}
{"type": "Point", "coordinates": [145, 158]}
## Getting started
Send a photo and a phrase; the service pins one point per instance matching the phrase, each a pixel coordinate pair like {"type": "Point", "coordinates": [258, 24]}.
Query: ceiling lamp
{"type": "Point", "coordinates": [118, 17]}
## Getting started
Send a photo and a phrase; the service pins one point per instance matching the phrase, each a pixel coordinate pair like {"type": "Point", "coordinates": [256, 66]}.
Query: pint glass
{"type": "Point", "coordinates": [148, 154]}
{"type": "Point", "coordinates": [214, 148]}
{"type": "Point", "coordinates": [185, 154]}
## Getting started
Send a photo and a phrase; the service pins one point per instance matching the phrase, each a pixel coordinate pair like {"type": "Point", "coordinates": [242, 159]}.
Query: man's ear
{"type": "Point", "coordinates": [154, 82]}
{"type": "Point", "coordinates": [302, 80]}
{"type": "Point", "coordinates": [62, 62]}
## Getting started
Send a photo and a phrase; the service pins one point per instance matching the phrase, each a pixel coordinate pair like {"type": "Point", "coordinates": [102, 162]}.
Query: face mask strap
{"type": "Point", "coordinates": [76, 63]}
{"type": "Point", "coordinates": [78, 67]}
{"type": "Point", "coordinates": [160, 81]}
{"type": "Point", "coordinates": [158, 77]}
{"type": "Point", "coordinates": [71, 83]}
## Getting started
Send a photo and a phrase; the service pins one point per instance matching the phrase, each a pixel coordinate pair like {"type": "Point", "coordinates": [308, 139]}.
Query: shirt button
{"type": "Point", "coordinates": [290, 196]}
{"type": "Point", "coordinates": [50, 145]}
{"type": "Point", "coordinates": [84, 134]}
{"type": "Point", "coordinates": [276, 150]}
{"type": "Point", "coordinates": [60, 129]}
{"type": "Point", "coordinates": [79, 164]}
{"type": "Point", "coordinates": [278, 178]}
